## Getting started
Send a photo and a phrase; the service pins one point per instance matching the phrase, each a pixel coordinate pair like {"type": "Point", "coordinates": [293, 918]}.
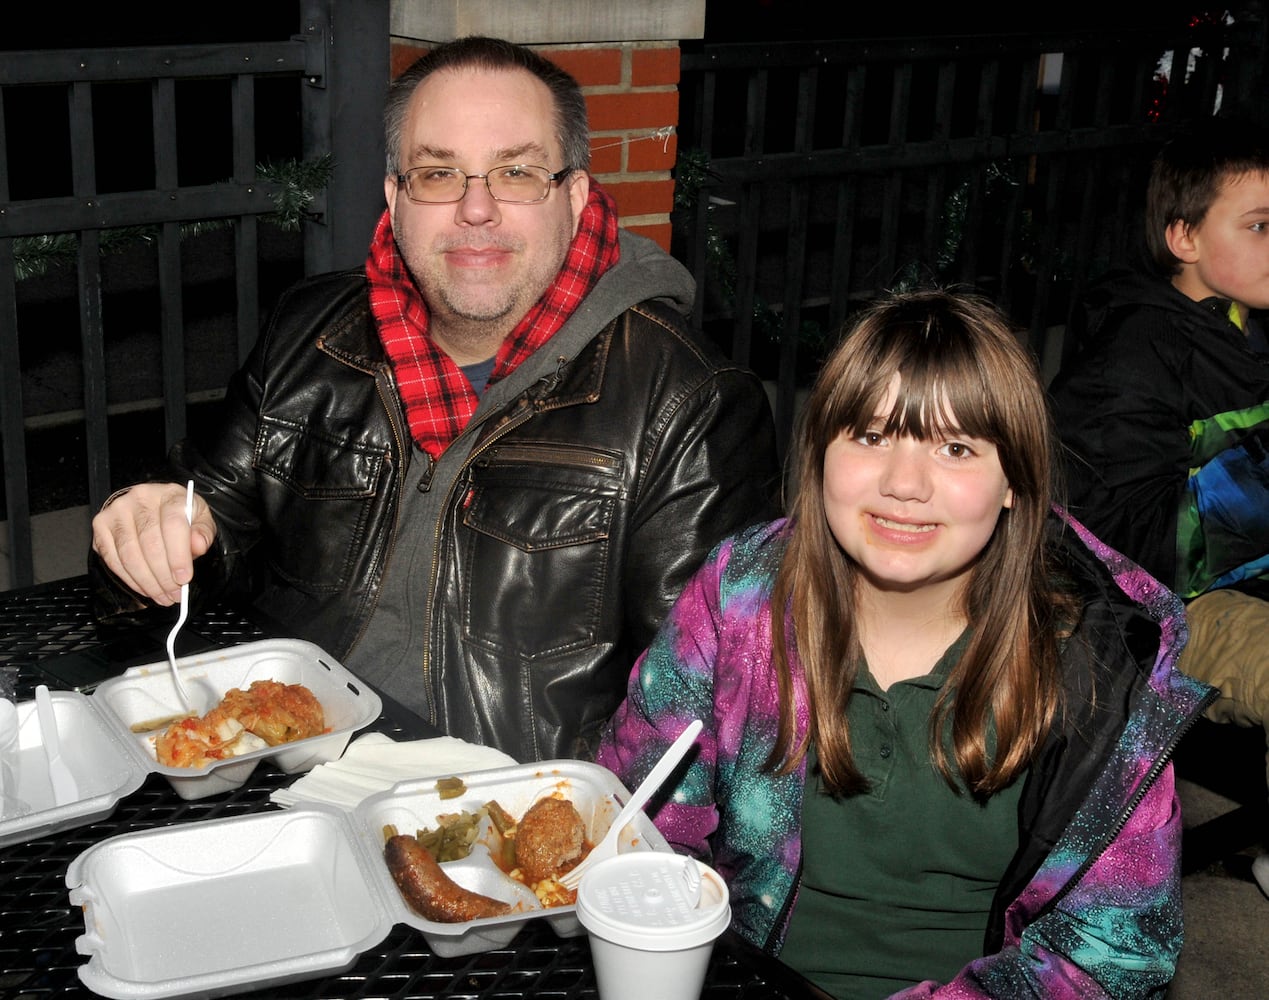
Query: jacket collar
{"type": "Point", "coordinates": [353, 339]}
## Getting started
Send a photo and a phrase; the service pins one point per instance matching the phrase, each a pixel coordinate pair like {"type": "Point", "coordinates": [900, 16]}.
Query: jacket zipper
{"type": "Point", "coordinates": [425, 481]}
{"type": "Point", "coordinates": [1151, 776]}
{"type": "Point", "coordinates": [461, 482]}
{"type": "Point", "coordinates": [564, 455]}
{"type": "Point", "coordinates": [402, 461]}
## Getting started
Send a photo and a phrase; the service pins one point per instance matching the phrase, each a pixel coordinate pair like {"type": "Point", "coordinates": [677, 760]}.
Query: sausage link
{"type": "Point", "coordinates": [429, 891]}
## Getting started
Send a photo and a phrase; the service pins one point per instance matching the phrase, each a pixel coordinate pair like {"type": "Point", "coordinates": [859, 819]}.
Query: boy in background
{"type": "Point", "coordinates": [1165, 410]}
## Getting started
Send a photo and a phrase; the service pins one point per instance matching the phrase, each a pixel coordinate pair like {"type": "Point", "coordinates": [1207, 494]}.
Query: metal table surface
{"type": "Point", "coordinates": [48, 635]}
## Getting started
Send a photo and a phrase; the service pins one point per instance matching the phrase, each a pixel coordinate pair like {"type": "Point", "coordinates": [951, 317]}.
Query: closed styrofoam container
{"type": "Point", "coordinates": [109, 761]}
{"type": "Point", "coordinates": [247, 902]}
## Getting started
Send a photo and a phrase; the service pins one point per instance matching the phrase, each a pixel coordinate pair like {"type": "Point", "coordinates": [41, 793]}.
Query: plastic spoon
{"type": "Point", "coordinates": [186, 699]}
{"type": "Point", "coordinates": [607, 847]}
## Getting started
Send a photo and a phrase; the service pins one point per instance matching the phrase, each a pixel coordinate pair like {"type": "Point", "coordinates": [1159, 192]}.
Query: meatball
{"type": "Point", "coordinates": [549, 839]}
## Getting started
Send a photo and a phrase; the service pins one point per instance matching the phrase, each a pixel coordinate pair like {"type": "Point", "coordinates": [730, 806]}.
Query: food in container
{"type": "Point", "coordinates": [266, 714]}
{"type": "Point", "coordinates": [143, 702]}
{"type": "Point", "coordinates": [416, 805]}
{"type": "Point", "coordinates": [109, 760]}
{"type": "Point", "coordinates": [322, 872]}
{"type": "Point", "coordinates": [548, 840]}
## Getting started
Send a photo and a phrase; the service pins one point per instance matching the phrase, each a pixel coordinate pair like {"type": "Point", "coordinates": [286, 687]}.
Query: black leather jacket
{"type": "Point", "coordinates": [504, 591]}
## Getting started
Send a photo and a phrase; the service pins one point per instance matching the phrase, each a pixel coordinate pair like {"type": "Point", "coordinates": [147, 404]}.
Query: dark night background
{"type": "Point", "coordinates": [39, 166]}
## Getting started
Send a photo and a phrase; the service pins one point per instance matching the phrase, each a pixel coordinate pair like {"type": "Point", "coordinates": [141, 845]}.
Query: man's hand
{"type": "Point", "coordinates": [143, 538]}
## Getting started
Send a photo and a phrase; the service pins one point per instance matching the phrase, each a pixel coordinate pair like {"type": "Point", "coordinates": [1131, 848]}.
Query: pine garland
{"type": "Point", "coordinates": [691, 175]}
{"type": "Point", "coordinates": [299, 181]}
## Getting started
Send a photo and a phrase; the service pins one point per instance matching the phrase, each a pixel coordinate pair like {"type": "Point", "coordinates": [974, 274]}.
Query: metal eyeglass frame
{"type": "Point", "coordinates": [404, 180]}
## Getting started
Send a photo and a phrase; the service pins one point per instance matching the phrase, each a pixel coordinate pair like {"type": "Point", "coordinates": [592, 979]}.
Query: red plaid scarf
{"type": "Point", "coordinates": [437, 396]}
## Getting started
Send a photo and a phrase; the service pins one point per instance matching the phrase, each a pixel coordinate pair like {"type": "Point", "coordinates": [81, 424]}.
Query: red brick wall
{"type": "Point", "coordinates": [632, 96]}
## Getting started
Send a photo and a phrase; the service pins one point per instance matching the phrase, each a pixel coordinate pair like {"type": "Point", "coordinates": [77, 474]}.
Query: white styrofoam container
{"type": "Point", "coordinates": [412, 805]}
{"type": "Point", "coordinates": [146, 693]}
{"type": "Point", "coordinates": [247, 902]}
{"type": "Point", "coordinates": [109, 761]}
{"type": "Point", "coordinates": [224, 905]}
{"type": "Point", "coordinates": [99, 757]}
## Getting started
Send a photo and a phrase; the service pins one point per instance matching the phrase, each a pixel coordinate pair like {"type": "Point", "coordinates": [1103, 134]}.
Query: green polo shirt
{"type": "Point", "coordinates": [896, 882]}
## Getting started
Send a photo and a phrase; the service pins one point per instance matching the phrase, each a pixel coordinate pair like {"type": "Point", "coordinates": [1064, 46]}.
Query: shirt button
{"type": "Point", "coordinates": [885, 750]}
{"type": "Point", "coordinates": [885, 706]}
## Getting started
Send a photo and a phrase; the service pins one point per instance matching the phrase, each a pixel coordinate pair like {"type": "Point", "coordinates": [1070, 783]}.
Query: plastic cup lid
{"type": "Point", "coordinates": [653, 901]}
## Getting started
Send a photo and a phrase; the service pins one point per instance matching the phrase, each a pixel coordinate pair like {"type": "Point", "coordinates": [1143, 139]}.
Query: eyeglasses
{"type": "Point", "coordinates": [512, 184]}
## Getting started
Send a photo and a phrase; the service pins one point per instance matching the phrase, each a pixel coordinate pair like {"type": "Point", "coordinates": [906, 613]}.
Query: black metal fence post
{"type": "Point", "coordinates": [152, 115]}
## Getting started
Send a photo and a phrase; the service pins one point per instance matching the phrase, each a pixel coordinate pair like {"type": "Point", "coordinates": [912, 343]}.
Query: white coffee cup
{"type": "Point", "coordinates": [652, 919]}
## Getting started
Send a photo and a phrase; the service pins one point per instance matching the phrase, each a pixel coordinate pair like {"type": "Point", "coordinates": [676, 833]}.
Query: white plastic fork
{"type": "Point", "coordinates": [607, 847]}
{"type": "Point", "coordinates": [186, 699]}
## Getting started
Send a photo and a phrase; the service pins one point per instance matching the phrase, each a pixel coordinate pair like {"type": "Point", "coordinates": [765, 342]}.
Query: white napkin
{"type": "Point", "coordinates": [374, 762]}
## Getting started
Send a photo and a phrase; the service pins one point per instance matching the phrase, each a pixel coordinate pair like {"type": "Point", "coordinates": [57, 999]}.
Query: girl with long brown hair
{"type": "Point", "coordinates": [944, 763]}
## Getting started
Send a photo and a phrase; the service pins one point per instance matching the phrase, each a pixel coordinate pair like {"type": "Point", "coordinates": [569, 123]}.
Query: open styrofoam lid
{"type": "Point", "coordinates": [104, 768]}
{"type": "Point", "coordinates": [213, 907]}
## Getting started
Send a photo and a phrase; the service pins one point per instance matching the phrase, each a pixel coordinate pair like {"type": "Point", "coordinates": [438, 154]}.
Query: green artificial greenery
{"type": "Point", "coordinates": [998, 207]}
{"type": "Point", "coordinates": [299, 182]}
{"type": "Point", "coordinates": [36, 255]}
{"type": "Point", "coordinates": [691, 175]}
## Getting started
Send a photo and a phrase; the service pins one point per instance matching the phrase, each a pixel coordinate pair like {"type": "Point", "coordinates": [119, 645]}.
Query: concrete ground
{"type": "Point", "coordinates": [1226, 951]}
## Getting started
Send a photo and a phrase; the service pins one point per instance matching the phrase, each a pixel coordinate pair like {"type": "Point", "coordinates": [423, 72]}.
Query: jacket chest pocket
{"type": "Point", "coordinates": [538, 567]}
{"type": "Point", "coordinates": [320, 489]}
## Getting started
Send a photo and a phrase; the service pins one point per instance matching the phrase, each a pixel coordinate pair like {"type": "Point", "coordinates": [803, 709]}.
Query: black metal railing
{"type": "Point", "coordinates": [153, 202]}
{"type": "Point", "coordinates": [813, 176]}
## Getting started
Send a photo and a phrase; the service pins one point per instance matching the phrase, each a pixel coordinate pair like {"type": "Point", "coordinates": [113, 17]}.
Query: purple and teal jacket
{"type": "Point", "coordinates": [1090, 905]}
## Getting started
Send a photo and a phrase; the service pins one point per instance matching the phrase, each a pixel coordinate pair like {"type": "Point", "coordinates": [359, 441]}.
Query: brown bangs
{"type": "Point", "coordinates": [943, 389]}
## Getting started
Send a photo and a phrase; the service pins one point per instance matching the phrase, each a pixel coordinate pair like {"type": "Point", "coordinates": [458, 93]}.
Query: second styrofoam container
{"type": "Point", "coordinates": [221, 906]}
{"type": "Point", "coordinates": [109, 761]}
{"type": "Point", "coordinates": [146, 694]}
{"type": "Point", "coordinates": [247, 902]}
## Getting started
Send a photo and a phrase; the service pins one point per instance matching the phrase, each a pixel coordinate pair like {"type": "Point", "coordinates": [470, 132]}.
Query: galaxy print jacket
{"type": "Point", "coordinates": [1090, 905]}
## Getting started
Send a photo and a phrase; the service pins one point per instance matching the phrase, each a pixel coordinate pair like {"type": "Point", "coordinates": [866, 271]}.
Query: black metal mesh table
{"type": "Point", "coordinates": [47, 635]}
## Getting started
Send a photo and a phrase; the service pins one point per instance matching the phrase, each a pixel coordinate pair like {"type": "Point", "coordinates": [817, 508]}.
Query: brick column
{"type": "Point", "coordinates": [630, 81]}
{"type": "Point", "coordinates": [632, 96]}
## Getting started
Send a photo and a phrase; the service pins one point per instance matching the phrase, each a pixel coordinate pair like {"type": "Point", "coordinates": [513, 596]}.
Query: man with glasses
{"type": "Point", "coordinates": [480, 470]}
